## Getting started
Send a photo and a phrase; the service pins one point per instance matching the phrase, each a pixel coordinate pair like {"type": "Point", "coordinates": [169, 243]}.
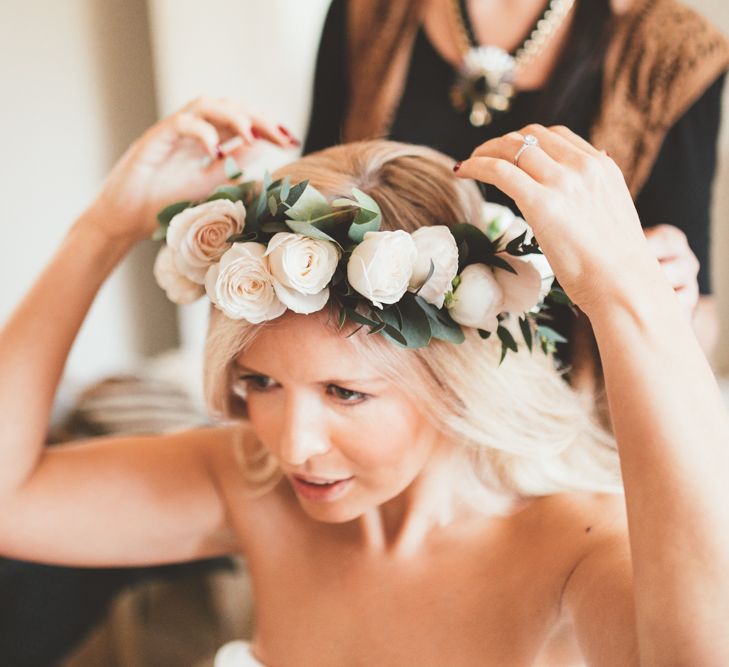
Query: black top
{"type": "Point", "coordinates": [677, 192]}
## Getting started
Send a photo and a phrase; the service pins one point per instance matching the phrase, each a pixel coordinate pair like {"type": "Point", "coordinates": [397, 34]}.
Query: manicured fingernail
{"type": "Point", "coordinates": [457, 166]}
{"type": "Point", "coordinates": [256, 133]}
{"type": "Point", "coordinates": [292, 140]}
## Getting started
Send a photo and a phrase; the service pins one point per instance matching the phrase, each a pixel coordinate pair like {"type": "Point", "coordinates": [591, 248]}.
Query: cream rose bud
{"type": "Point", "coordinates": [302, 268]}
{"type": "Point", "coordinates": [242, 286]}
{"type": "Point", "coordinates": [434, 244]}
{"type": "Point", "coordinates": [178, 288]}
{"type": "Point", "coordinates": [500, 221]}
{"type": "Point", "coordinates": [199, 235]}
{"type": "Point", "coordinates": [477, 300]}
{"type": "Point", "coordinates": [381, 266]}
{"type": "Point", "coordinates": [521, 290]}
{"type": "Point", "coordinates": [542, 265]}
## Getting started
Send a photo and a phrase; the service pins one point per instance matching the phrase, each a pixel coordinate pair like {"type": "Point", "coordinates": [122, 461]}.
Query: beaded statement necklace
{"type": "Point", "coordinates": [485, 83]}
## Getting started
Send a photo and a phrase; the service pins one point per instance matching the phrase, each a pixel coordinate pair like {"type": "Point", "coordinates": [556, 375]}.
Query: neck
{"type": "Point", "coordinates": [433, 502]}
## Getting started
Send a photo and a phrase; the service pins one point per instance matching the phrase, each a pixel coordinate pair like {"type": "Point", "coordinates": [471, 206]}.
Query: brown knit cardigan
{"type": "Point", "coordinates": [662, 56]}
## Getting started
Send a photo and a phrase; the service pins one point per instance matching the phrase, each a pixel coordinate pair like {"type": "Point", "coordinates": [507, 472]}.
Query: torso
{"type": "Point", "coordinates": [484, 591]}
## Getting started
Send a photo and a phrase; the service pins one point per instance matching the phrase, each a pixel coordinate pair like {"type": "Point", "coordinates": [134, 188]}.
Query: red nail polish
{"type": "Point", "coordinates": [219, 152]}
{"type": "Point", "coordinates": [457, 166]}
{"type": "Point", "coordinates": [256, 133]}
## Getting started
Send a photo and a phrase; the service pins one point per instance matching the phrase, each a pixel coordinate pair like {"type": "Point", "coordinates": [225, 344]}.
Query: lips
{"type": "Point", "coordinates": [320, 489]}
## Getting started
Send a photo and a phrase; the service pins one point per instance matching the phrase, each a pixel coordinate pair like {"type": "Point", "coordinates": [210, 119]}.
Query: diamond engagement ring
{"type": "Point", "coordinates": [528, 141]}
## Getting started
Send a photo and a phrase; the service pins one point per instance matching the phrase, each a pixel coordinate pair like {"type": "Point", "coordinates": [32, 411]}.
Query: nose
{"type": "Point", "coordinates": [303, 432]}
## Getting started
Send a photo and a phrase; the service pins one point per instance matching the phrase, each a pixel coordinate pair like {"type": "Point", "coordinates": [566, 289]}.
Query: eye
{"type": "Point", "coordinates": [346, 395]}
{"type": "Point", "coordinates": [257, 383]}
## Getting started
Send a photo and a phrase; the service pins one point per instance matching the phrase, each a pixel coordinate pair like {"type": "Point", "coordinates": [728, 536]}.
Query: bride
{"type": "Point", "coordinates": [395, 506]}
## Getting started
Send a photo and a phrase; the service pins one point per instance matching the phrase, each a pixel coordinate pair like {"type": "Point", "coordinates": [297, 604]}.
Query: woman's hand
{"type": "Point", "coordinates": [576, 200]}
{"type": "Point", "coordinates": [679, 264]}
{"type": "Point", "coordinates": [166, 164]}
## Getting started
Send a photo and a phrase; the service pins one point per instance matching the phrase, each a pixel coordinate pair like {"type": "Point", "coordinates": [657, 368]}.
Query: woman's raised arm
{"type": "Point", "coordinates": [163, 165]}
{"type": "Point", "coordinates": [667, 412]}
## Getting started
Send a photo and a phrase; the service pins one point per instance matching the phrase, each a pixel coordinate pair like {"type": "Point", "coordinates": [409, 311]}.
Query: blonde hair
{"type": "Point", "coordinates": [522, 428]}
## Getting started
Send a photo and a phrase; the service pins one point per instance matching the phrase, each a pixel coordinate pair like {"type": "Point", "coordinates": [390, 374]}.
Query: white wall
{"type": "Point", "coordinates": [77, 88]}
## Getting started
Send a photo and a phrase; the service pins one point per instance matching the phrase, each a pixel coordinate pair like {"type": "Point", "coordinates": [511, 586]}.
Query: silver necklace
{"type": "Point", "coordinates": [485, 83]}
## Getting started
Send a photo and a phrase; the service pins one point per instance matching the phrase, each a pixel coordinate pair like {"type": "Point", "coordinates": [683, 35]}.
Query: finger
{"type": "Point", "coordinates": [688, 297]}
{"type": "Point", "coordinates": [276, 134]}
{"type": "Point", "coordinates": [532, 159]}
{"type": "Point", "coordinates": [224, 114]}
{"type": "Point", "coordinates": [667, 241]}
{"type": "Point", "coordinates": [575, 139]}
{"type": "Point", "coordinates": [680, 273]}
{"type": "Point", "coordinates": [507, 177]}
{"type": "Point", "coordinates": [565, 150]}
{"type": "Point", "coordinates": [187, 125]}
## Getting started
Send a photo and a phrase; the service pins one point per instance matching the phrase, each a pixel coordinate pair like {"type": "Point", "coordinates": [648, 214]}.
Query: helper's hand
{"type": "Point", "coordinates": [167, 163]}
{"type": "Point", "coordinates": [576, 200]}
{"type": "Point", "coordinates": [679, 264]}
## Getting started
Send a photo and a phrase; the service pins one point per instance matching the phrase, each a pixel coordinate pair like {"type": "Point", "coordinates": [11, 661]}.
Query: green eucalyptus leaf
{"type": "Point", "coordinates": [169, 212]}
{"type": "Point", "coordinates": [310, 205]}
{"type": "Point", "coordinates": [415, 323]}
{"type": "Point", "coordinates": [272, 205]}
{"type": "Point", "coordinates": [303, 227]}
{"type": "Point", "coordinates": [296, 192]}
{"type": "Point", "coordinates": [274, 227]}
{"type": "Point", "coordinates": [232, 170]}
{"type": "Point", "coordinates": [377, 329]}
{"type": "Point", "coordinates": [506, 338]}
{"type": "Point", "coordinates": [342, 317]}
{"type": "Point", "coordinates": [512, 247]}
{"type": "Point", "coordinates": [549, 334]}
{"type": "Point", "coordinates": [365, 221]}
{"type": "Point", "coordinates": [351, 333]}
{"type": "Point", "coordinates": [360, 319]}
{"type": "Point", "coordinates": [473, 245]}
{"type": "Point", "coordinates": [394, 335]}
{"type": "Point", "coordinates": [441, 324]}
{"type": "Point", "coordinates": [526, 331]}
{"type": "Point", "coordinates": [160, 234]}
{"type": "Point", "coordinates": [501, 263]}
{"type": "Point", "coordinates": [484, 334]}
{"type": "Point", "coordinates": [285, 189]}
{"type": "Point", "coordinates": [223, 195]}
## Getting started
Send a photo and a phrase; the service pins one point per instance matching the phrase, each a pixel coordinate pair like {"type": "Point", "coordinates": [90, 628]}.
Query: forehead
{"type": "Point", "coordinates": [306, 345]}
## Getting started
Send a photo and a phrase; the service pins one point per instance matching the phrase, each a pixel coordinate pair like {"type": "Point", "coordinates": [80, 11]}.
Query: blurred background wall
{"type": "Point", "coordinates": [80, 79]}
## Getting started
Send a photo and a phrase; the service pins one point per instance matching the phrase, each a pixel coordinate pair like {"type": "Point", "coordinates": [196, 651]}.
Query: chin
{"type": "Point", "coordinates": [331, 513]}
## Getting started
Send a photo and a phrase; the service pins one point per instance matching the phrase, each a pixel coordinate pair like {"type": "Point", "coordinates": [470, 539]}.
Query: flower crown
{"type": "Point", "coordinates": [258, 251]}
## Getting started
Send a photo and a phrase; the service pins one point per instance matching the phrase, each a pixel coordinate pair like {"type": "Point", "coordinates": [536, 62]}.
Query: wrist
{"type": "Point", "coordinates": [91, 230]}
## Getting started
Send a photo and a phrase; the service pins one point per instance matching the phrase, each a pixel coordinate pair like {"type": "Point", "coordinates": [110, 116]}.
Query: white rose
{"type": "Point", "coordinates": [434, 244]}
{"type": "Point", "coordinates": [178, 288]}
{"type": "Point", "coordinates": [477, 300]}
{"type": "Point", "coordinates": [242, 286]}
{"type": "Point", "coordinates": [500, 221]}
{"type": "Point", "coordinates": [521, 290]}
{"type": "Point", "coordinates": [199, 234]}
{"type": "Point", "coordinates": [381, 266]}
{"type": "Point", "coordinates": [542, 265]}
{"type": "Point", "coordinates": [302, 268]}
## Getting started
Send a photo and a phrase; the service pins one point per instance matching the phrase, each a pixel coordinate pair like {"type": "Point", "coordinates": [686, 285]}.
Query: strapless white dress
{"type": "Point", "coordinates": [236, 654]}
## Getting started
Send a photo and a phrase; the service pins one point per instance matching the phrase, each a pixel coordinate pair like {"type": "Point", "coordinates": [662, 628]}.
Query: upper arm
{"type": "Point", "coordinates": [122, 501]}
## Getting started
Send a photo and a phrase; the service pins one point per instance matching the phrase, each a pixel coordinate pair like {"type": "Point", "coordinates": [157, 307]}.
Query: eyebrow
{"type": "Point", "coordinates": [338, 381]}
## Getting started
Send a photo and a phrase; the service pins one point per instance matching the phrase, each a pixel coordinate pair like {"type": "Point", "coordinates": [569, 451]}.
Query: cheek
{"type": "Point", "coordinates": [390, 438]}
{"type": "Point", "coordinates": [264, 414]}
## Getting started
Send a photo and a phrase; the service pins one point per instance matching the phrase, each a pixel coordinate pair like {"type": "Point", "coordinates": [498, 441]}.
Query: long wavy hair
{"type": "Point", "coordinates": [521, 428]}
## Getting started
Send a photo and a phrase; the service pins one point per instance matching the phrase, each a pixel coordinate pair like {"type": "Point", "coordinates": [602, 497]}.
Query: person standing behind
{"type": "Point", "coordinates": [641, 79]}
